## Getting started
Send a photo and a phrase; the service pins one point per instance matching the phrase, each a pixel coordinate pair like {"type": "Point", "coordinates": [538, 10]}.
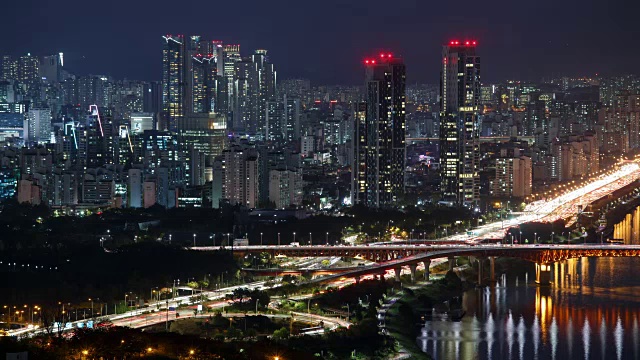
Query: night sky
{"type": "Point", "coordinates": [326, 41]}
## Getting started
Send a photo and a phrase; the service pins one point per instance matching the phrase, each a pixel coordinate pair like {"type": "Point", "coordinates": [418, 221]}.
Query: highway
{"type": "Point", "coordinates": [137, 316]}
{"type": "Point", "coordinates": [564, 206]}
{"type": "Point", "coordinates": [144, 320]}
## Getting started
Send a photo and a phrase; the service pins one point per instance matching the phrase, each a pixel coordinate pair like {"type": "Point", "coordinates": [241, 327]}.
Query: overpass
{"type": "Point", "coordinates": [394, 257]}
{"type": "Point", "coordinates": [544, 256]}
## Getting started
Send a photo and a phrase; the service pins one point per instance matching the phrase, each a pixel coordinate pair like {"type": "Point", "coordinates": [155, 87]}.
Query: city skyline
{"type": "Point", "coordinates": [567, 44]}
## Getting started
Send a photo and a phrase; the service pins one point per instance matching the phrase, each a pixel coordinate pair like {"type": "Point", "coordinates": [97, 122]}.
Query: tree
{"type": "Point", "coordinates": [281, 334]}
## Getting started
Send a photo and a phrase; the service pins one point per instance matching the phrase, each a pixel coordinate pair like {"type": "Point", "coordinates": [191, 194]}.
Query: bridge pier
{"type": "Point", "coordinates": [427, 264]}
{"type": "Point", "coordinates": [452, 262]}
{"type": "Point", "coordinates": [480, 271]}
{"type": "Point", "coordinates": [492, 269]}
{"type": "Point", "coordinates": [543, 274]}
{"type": "Point", "coordinates": [357, 279]}
{"type": "Point", "coordinates": [397, 271]}
{"type": "Point", "coordinates": [413, 268]}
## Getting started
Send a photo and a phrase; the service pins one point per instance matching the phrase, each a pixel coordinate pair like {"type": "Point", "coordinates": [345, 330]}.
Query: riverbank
{"type": "Point", "coordinates": [405, 315]}
{"type": "Point", "coordinates": [404, 318]}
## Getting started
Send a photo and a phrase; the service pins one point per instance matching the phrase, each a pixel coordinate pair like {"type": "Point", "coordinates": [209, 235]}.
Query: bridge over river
{"type": "Point", "coordinates": [394, 257]}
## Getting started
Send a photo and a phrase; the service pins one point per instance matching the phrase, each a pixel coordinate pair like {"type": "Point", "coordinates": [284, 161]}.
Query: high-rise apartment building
{"type": "Point", "coordinates": [39, 125]}
{"type": "Point", "coordinates": [619, 124]}
{"type": "Point", "coordinates": [379, 158]}
{"type": "Point", "coordinates": [459, 127]}
{"type": "Point", "coordinates": [255, 84]}
{"type": "Point", "coordinates": [9, 68]}
{"type": "Point", "coordinates": [513, 175]}
{"type": "Point", "coordinates": [240, 178]}
{"type": "Point", "coordinates": [51, 68]}
{"type": "Point", "coordinates": [134, 188]}
{"type": "Point", "coordinates": [283, 119]}
{"type": "Point", "coordinates": [285, 187]}
{"type": "Point", "coordinates": [29, 75]}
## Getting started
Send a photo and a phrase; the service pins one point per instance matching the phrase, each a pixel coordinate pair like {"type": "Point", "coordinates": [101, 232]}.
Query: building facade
{"type": "Point", "coordinates": [381, 132]}
{"type": "Point", "coordinates": [459, 123]}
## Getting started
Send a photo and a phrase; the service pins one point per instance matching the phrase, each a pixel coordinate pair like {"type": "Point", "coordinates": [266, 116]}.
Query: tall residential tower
{"type": "Point", "coordinates": [459, 123]}
{"type": "Point", "coordinates": [379, 158]}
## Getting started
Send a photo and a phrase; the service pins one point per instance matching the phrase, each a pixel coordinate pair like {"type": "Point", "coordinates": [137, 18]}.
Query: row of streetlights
{"type": "Point", "coordinates": [212, 238]}
{"type": "Point", "coordinates": [535, 237]}
{"type": "Point", "coordinates": [294, 238]}
{"type": "Point", "coordinates": [18, 312]}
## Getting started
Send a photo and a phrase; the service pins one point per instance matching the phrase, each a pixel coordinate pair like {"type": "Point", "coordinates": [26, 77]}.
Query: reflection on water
{"type": "Point", "coordinates": [629, 228]}
{"type": "Point", "coordinates": [591, 312]}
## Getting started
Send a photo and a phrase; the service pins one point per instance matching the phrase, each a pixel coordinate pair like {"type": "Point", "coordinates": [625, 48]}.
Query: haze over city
{"type": "Point", "coordinates": [339, 180]}
{"type": "Point", "coordinates": [521, 40]}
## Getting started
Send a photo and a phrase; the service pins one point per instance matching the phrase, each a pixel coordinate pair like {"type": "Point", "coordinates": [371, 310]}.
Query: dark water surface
{"type": "Point", "coordinates": [592, 311]}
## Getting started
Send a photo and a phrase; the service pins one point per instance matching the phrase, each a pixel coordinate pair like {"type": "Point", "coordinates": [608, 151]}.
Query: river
{"type": "Point", "coordinates": [591, 311]}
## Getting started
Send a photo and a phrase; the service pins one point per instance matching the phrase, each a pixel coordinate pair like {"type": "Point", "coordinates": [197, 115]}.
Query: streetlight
{"type": "Point", "coordinates": [310, 240]}
{"type": "Point", "coordinates": [260, 239]}
{"type": "Point", "coordinates": [278, 239]}
{"type": "Point", "coordinates": [552, 233]}
{"type": "Point", "coordinates": [91, 299]}
{"type": "Point", "coordinates": [327, 238]}
{"type": "Point", "coordinates": [257, 302]}
{"type": "Point", "coordinates": [194, 240]}
{"type": "Point", "coordinates": [520, 241]}
{"type": "Point", "coordinates": [169, 238]}
{"type": "Point", "coordinates": [535, 235]}
{"type": "Point", "coordinates": [173, 290]}
{"type": "Point", "coordinates": [294, 236]}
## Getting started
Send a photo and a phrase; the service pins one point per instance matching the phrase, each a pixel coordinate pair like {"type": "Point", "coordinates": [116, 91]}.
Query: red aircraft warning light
{"type": "Point", "coordinates": [465, 43]}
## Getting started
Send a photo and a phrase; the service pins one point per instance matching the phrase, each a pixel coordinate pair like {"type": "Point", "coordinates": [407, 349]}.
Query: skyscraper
{"type": "Point", "coordinates": [380, 133]}
{"type": "Point", "coordinates": [255, 84]}
{"type": "Point", "coordinates": [201, 72]}
{"type": "Point", "coordinates": [230, 55]}
{"type": "Point", "coordinates": [173, 81]}
{"type": "Point", "coordinates": [459, 128]}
